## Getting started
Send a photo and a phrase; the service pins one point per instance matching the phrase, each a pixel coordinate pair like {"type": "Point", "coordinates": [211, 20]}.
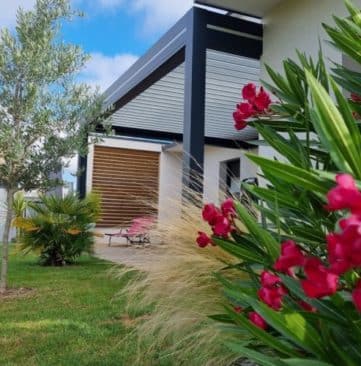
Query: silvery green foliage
{"type": "Point", "coordinates": [45, 112]}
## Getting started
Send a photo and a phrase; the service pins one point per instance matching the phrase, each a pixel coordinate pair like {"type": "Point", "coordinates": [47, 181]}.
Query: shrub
{"type": "Point", "coordinates": [59, 228]}
{"type": "Point", "coordinates": [301, 303]}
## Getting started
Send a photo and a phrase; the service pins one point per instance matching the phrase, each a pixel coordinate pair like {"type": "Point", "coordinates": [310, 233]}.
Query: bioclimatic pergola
{"type": "Point", "coordinates": [186, 87]}
{"type": "Point", "coordinates": [247, 7]}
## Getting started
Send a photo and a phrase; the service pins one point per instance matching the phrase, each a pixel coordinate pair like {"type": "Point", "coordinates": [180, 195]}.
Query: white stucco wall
{"type": "Point", "coordinates": [295, 24]}
{"type": "Point", "coordinates": [170, 184]}
{"type": "Point", "coordinates": [170, 174]}
{"type": "Point", "coordinates": [213, 157]}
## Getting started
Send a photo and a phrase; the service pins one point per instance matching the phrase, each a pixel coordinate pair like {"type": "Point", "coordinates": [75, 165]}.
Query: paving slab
{"type": "Point", "coordinates": [141, 257]}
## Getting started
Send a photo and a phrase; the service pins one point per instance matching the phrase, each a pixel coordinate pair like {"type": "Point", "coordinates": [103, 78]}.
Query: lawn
{"type": "Point", "coordinates": [72, 316]}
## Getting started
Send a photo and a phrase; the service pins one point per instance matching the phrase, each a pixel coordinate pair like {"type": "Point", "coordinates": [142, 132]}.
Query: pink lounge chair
{"type": "Point", "coordinates": [137, 233]}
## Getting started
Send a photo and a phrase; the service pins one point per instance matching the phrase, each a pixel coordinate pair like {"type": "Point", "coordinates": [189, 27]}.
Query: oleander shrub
{"type": "Point", "coordinates": [59, 229]}
{"type": "Point", "coordinates": [301, 302]}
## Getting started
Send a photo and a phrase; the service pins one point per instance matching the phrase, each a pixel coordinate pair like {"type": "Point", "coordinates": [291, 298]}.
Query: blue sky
{"type": "Point", "coordinates": [114, 32]}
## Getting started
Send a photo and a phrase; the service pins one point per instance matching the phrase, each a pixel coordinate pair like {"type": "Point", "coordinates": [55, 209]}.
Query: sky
{"type": "Point", "coordinates": [114, 32]}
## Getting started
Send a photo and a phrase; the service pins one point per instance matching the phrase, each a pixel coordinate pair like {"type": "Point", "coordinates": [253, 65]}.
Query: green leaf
{"type": "Point", "coordinates": [238, 251]}
{"type": "Point", "coordinates": [282, 145]}
{"type": "Point", "coordinates": [263, 236]}
{"type": "Point", "coordinates": [258, 357]}
{"type": "Point", "coordinates": [322, 306]}
{"type": "Point", "coordinates": [350, 46]}
{"type": "Point", "coordinates": [222, 318]}
{"type": "Point", "coordinates": [262, 335]}
{"type": "Point", "coordinates": [293, 175]}
{"type": "Point", "coordinates": [332, 129]}
{"type": "Point", "coordinates": [278, 125]}
{"type": "Point", "coordinates": [346, 111]}
{"type": "Point", "coordinates": [271, 196]}
{"type": "Point", "coordinates": [354, 12]}
{"type": "Point", "coordinates": [304, 362]}
{"type": "Point", "coordinates": [293, 326]}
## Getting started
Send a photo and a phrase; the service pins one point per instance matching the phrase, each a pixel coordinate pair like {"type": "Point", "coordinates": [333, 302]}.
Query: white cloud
{"type": "Point", "coordinates": [8, 10]}
{"type": "Point", "coordinates": [110, 3]}
{"type": "Point", "coordinates": [156, 15]}
{"type": "Point", "coordinates": [160, 14]}
{"type": "Point", "coordinates": [71, 165]}
{"type": "Point", "coordinates": [103, 70]}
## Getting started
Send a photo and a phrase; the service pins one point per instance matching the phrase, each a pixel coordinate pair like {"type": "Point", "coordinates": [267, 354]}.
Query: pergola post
{"type": "Point", "coordinates": [81, 179]}
{"type": "Point", "coordinates": [194, 103]}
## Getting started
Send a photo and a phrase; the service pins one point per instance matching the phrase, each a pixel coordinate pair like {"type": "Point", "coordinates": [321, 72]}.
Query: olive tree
{"type": "Point", "coordinates": [46, 114]}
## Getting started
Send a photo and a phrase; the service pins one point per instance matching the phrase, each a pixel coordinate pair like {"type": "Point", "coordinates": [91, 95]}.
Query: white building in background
{"type": "Point", "coordinates": [177, 101]}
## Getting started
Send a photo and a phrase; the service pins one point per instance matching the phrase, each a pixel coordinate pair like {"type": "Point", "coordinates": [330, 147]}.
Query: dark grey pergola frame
{"type": "Point", "coordinates": [187, 41]}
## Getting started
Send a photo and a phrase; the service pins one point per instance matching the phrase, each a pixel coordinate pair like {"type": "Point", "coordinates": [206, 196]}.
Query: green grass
{"type": "Point", "coordinates": [73, 316]}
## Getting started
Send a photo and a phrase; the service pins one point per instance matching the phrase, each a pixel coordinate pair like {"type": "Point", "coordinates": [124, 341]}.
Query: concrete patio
{"type": "Point", "coordinates": [131, 255]}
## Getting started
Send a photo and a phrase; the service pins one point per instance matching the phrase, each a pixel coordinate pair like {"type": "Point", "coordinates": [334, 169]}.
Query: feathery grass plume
{"type": "Point", "coordinates": [174, 298]}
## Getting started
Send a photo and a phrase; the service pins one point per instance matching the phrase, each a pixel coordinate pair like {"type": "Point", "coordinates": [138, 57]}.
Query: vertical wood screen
{"type": "Point", "coordinates": [127, 181]}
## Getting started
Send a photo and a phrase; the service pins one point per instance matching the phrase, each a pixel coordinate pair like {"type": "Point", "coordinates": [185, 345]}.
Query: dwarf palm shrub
{"type": "Point", "coordinates": [59, 228]}
{"type": "Point", "coordinates": [301, 303]}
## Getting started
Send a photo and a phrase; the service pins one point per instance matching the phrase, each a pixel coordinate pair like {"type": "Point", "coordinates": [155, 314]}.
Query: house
{"type": "Point", "coordinates": [172, 116]}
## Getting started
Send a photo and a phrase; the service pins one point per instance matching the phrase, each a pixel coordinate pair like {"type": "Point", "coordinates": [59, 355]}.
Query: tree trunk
{"type": "Point", "coordinates": [5, 242]}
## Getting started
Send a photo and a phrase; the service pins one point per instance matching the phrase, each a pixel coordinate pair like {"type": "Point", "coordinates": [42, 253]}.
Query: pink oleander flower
{"type": "Point", "coordinates": [222, 226]}
{"type": "Point", "coordinates": [246, 109]}
{"type": "Point", "coordinates": [239, 120]}
{"type": "Point", "coordinates": [249, 92]}
{"type": "Point", "coordinates": [272, 290]}
{"type": "Point", "coordinates": [210, 213]}
{"type": "Point", "coordinates": [203, 239]}
{"type": "Point", "coordinates": [344, 249]}
{"type": "Point", "coordinates": [338, 254]}
{"type": "Point", "coordinates": [238, 309]}
{"type": "Point", "coordinates": [272, 296]}
{"type": "Point", "coordinates": [262, 101]}
{"type": "Point", "coordinates": [355, 98]}
{"type": "Point", "coordinates": [256, 104]}
{"type": "Point", "coordinates": [345, 195]}
{"type": "Point", "coordinates": [257, 320]}
{"type": "Point", "coordinates": [269, 279]}
{"type": "Point", "coordinates": [320, 281]}
{"type": "Point", "coordinates": [291, 256]}
{"type": "Point", "coordinates": [228, 208]}
{"type": "Point", "coordinates": [307, 307]}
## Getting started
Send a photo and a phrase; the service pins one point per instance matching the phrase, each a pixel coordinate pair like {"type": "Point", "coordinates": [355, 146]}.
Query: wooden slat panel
{"type": "Point", "coordinates": [128, 182]}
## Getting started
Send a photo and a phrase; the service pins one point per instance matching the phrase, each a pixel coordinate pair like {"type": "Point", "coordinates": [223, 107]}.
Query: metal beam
{"type": "Point", "coordinates": [227, 9]}
{"type": "Point", "coordinates": [234, 44]}
{"type": "Point", "coordinates": [81, 179]}
{"type": "Point", "coordinates": [194, 102]}
{"type": "Point", "coordinates": [233, 23]}
{"type": "Point", "coordinates": [176, 137]}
